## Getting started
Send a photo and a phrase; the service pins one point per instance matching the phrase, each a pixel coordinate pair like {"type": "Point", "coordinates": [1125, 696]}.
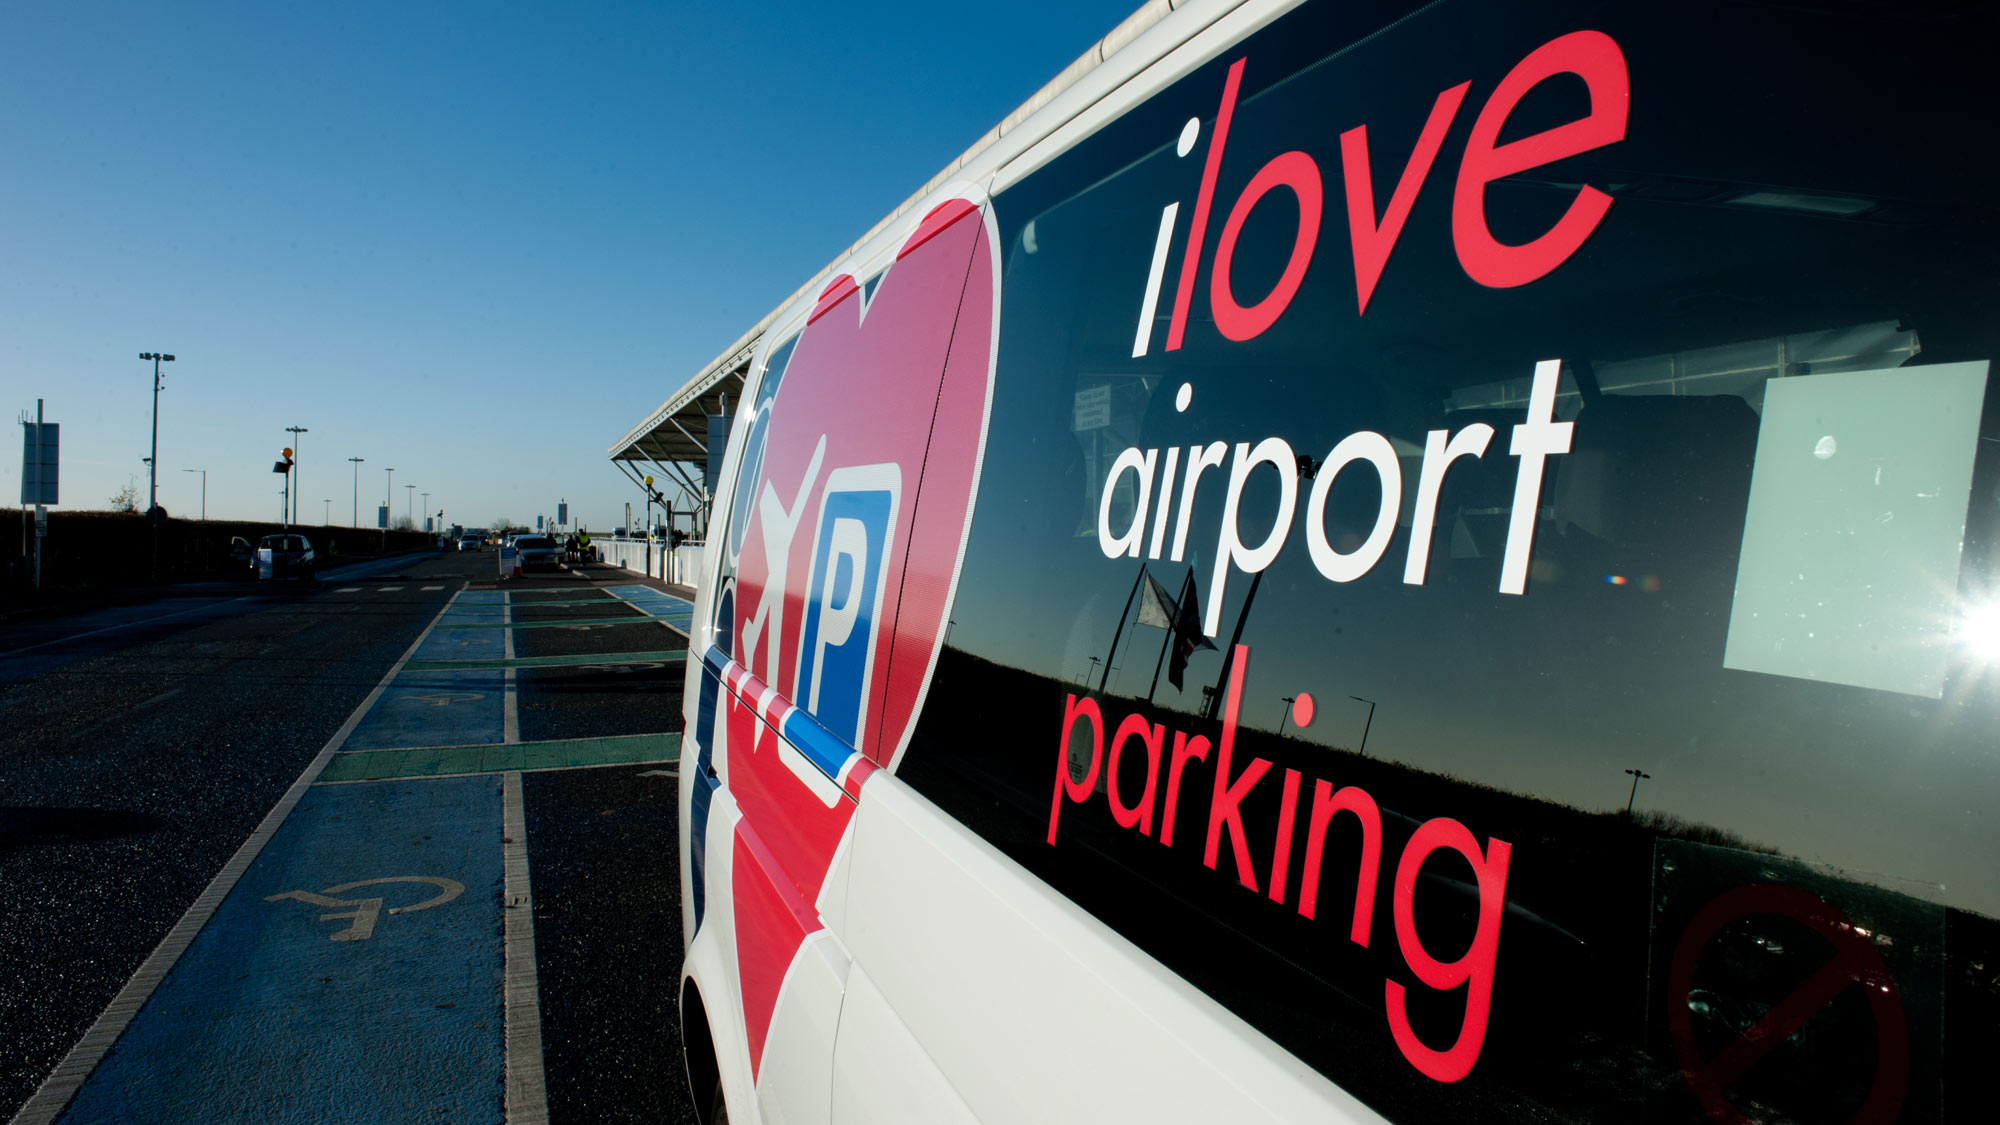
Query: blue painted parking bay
{"type": "Point", "coordinates": [374, 961]}
{"type": "Point", "coordinates": [675, 611]}
{"type": "Point", "coordinates": [445, 706]}
{"type": "Point", "coordinates": [339, 1003]}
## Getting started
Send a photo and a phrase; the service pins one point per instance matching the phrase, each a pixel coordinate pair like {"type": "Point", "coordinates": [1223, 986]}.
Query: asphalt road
{"type": "Point", "coordinates": [140, 745]}
{"type": "Point", "coordinates": [601, 844]}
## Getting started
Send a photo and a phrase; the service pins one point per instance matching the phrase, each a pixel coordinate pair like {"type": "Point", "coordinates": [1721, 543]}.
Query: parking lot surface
{"type": "Point", "coordinates": [396, 846]}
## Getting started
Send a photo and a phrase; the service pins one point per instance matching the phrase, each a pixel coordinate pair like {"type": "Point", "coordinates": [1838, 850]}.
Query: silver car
{"type": "Point", "coordinates": [537, 551]}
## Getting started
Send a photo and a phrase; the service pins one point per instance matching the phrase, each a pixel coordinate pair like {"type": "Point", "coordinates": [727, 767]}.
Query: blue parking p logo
{"type": "Point", "coordinates": [843, 608]}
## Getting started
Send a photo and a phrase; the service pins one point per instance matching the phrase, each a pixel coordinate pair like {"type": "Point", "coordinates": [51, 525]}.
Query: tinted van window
{"type": "Point", "coordinates": [1523, 632]}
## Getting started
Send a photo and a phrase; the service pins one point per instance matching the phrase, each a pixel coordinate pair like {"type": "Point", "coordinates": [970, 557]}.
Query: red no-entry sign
{"type": "Point", "coordinates": [1854, 964]}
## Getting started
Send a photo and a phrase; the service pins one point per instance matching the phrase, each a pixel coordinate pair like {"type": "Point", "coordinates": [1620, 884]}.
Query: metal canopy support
{"type": "Point", "coordinates": [625, 468]}
{"type": "Point", "coordinates": [697, 498]}
{"type": "Point", "coordinates": [699, 444]}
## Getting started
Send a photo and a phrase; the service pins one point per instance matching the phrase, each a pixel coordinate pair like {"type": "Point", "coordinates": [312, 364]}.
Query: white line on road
{"type": "Point", "coordinates": [387, 589]}
{"type": "Point", "coordinates": [527, 1097]}
{"type": "Point", "coordinates": [68, 1077]}
{"type": "Point", "coordinates": [428, 589]}
{"type": "Point", "coordinates": [348, 590]}
{"type": "Point", "coordinates": [510, 702]}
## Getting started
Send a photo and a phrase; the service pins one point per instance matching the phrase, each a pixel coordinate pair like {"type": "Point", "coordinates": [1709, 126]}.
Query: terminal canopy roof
{"type": "Point", "coordinates": [677, 431]}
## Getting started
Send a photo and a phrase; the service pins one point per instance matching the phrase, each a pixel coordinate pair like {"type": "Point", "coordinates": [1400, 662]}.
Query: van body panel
{"type": "Point", "coordinates": [1032, 1010]}
{"type": "Point", "coordinates": [1404, 430]}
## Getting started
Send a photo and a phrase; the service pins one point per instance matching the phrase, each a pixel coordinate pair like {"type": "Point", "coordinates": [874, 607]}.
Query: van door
{"type": "Point", "coordinates": [809, 591]}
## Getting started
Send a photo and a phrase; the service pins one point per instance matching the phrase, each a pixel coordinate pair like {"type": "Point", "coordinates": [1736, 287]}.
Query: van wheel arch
{"type": "Point", "coordinates": [698, 1052]}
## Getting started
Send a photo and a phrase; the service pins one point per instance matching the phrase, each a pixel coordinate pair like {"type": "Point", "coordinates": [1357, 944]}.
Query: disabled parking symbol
{"type": "Point", "coordinates": [363, 913]}
{"type": "Point", "coordinates": [447, 698]}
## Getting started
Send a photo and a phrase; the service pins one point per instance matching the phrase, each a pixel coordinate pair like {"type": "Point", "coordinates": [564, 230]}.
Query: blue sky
{"type": "Point", "coordinates": [474, 243]}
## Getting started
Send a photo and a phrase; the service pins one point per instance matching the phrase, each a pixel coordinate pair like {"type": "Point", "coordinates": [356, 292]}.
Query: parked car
{"type": "Point", "coordinates": [286, 556]}
{"type": "Point", "coordinates": [537, 551]}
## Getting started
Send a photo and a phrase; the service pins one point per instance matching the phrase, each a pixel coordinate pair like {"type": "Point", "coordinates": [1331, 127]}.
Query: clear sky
{"type": "Point", "coordinates": [473, 243]}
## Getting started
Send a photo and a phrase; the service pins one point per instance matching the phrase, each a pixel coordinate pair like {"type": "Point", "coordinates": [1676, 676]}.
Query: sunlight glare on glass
{"type": "Point", "coordinates": [1979, 631]}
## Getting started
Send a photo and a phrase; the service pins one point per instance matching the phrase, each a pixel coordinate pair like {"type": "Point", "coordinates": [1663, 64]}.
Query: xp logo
{"type": "Point", "coordinates": [857, 523]}
{"type": "Point", "coordinates": [860, 465]}
{"type": "Point", "coordinates": [848, 519]}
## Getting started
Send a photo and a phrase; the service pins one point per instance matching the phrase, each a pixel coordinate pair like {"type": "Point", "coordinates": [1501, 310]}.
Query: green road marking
{"type": "Point", "coordinates": [549, 661]}
{"type": "Point", "coordinates": [519, 601]}
{"type": "Point", "coordinates": [565, 753]}
{"type": "Point", "coordinates": [553, 622]}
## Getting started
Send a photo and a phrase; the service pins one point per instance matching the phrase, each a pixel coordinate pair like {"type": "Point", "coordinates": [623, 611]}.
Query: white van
{"type": "Point", "coordinates": [1378, 561]}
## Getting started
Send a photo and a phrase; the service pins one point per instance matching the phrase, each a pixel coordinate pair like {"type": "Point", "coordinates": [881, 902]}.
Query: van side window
{"type": "Point", "coordinates": [1417, 611]}
{"type": "Point", "coordinates": [740, 499]}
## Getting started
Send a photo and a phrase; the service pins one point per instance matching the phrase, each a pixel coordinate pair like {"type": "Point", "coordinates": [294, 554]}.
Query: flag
{"type": "Point", "coordinates": [1187, 633]}
{"type": "Point", "coordinates": [1156, 608]}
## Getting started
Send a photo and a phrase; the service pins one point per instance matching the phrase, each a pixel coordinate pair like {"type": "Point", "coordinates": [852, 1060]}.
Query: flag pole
{"type": "Point", "coordinates": [1215, 701]}
{"type": "Point", "coordinates": [1120, 631]}
{"type": "Point", "coordinates": [1173, 634]}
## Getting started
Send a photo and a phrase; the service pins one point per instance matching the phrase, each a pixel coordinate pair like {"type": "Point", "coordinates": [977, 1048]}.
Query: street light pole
{"type": "Point", "coordinates": [1637, 777]}
{"type": "Point", "coordinates": [410, 505]}
{"type": "Point", "coordinates": [204, 491]}
{"type": "Point", "coordinates": [427, 505]}
{"type": "Point", "coordinates": [153, 477]}
{"type": "Point", "coordinates": [153, 462]}
{"type": "Point", "coordinates": [298, 454]}
{"type": "Point", "coordinates": [1285, 714]}
{"type": "Point", "coordinates": [326, 516]}
{"type": "Point", "coordinates": [1367, 725]}
{"type": "Point", "coordinates": [357, 488]}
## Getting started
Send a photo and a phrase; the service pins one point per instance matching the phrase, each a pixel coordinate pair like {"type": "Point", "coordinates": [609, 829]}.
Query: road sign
{"type": "Point", "coordinates": [382, 516]}
{"type": "Point", "coordinates": [562, 513]}
{"type": "Point", "coordinates": [1092, 409]}
{"type": "Point", "coordinates": [40, 442]}
{"type": "Point", "coordinates": [1854, 964]}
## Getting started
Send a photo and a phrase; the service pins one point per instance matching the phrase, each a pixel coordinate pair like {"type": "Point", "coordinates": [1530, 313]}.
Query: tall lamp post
{"type": "Point", "coordinates": [326, 517]}
{"type": "Point", "coordinates": [153, 462]}
{"type": "Point", "coordinates": [297, 456]}
{"type": "Point", "coordinates": [410, 505]}
{"type": "Point", "coordinates": [1637, 777]}
{"type": "Point", "coordinates": [427, 505]}
{"type": "Point", "coordinates": [1365, 726]}
{"type": "Point", "coordinates": [357, 488]}
{"type": "Point", "coordinates": [204, 491]}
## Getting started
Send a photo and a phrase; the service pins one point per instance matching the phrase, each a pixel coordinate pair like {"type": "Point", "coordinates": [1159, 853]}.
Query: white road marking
{"type": "Point", "coordinates": [527, 1097]}
{"type": "Point", "coordinates": [510, 702]}
{"type": "Point", "coordinates": [429, 589]}
{"type": "Point", "coordinates": [387, 589]}
{"type": "Point", "coordinates": [68, 1077]}
{"type": "Point", "coordinates": [348, 590]}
